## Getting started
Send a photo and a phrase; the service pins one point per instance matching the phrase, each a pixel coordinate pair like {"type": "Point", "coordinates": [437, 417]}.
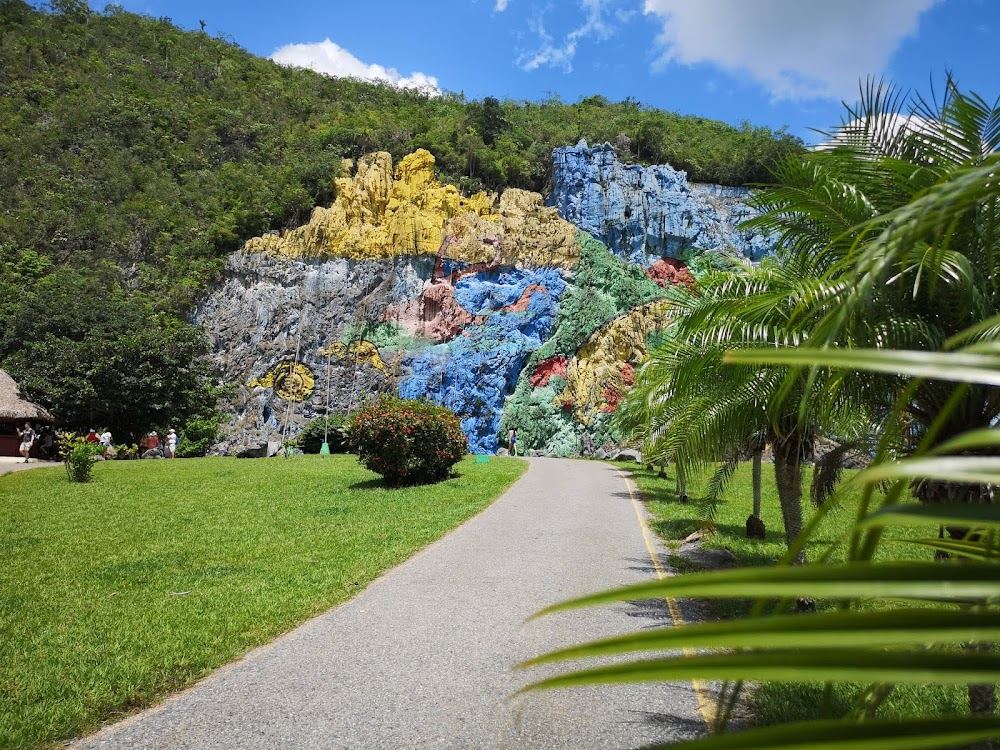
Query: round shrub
{"type": "Point", "coordinates": [310, 440]}
{"type": "Point", "coordinates": [408, 442]}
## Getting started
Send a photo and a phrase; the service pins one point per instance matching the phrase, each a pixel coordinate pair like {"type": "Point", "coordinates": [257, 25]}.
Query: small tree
{"type": "Point", "coordinates": [79, 456]}
{"type": "Point", "coordinates": [408, 442]}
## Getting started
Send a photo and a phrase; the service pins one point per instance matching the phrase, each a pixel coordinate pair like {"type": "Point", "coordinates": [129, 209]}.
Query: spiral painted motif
{"type": "Point", "coordinates": [290, 381]}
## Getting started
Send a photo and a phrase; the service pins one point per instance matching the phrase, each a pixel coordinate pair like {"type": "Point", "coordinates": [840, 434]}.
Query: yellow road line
{"type": "Point", "coordinates": [706, 701]}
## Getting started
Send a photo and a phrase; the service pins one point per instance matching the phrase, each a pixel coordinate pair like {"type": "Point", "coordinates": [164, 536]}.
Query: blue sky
{"type": "Point", "coordinates": [770, 62]}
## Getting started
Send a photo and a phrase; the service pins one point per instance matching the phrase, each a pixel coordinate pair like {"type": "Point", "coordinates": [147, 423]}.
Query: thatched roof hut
{"type": "Point", "coordinates": [14, 407]}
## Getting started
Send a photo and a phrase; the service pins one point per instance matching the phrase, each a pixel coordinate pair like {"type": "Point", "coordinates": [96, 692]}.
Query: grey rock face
{"type": "Point", "coordinates": [253, 451]}
{"type": "Point", "coordinates": [268, 310]}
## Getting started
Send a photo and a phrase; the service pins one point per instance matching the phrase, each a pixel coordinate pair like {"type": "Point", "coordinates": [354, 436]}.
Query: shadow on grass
{"type": "Point", "coordinates": [370, 484]}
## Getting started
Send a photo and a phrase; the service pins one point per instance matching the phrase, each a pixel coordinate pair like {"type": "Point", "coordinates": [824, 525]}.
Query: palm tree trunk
{"type": "Point", "coordinates": [788, 478]}
{"type": "Point", "coordinates": [757, 458]}
{"type": "Point", "coordinates": [682, 485]}
{"type": "Point", "coordinates": [755, 526]}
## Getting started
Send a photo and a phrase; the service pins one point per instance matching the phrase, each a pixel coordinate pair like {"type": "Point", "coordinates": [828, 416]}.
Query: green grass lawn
{"type": "Point", "coordinates": [115, 592]}
{"type": "Point", "coordinates": [774, 703]}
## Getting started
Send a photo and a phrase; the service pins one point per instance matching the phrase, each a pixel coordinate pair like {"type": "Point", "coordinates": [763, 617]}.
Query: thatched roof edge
{"type": "Point", "coordinates": [13, 404]}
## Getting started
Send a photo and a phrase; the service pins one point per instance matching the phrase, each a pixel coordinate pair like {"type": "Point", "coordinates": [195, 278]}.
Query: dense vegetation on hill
{"type": "Point", "coordinates": [137, 155]}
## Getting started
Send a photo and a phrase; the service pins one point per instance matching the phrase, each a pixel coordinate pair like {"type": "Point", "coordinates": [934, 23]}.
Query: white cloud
{"type": "Point", "coordinates": [560, 55]}
{"type": "Point", "coordinates": [501, 6]}
{"type": "Point", "coordinates": [882, 130]}
{"type": "Point", "coordinates": [796, 49]}
{"type": "Point", "coordinates": [332, 59]}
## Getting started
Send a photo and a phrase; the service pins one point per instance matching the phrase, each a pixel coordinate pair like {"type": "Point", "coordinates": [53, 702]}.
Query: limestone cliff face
{"type": "Point", "coordinates": [602, 370]}
{"type": "Point", "coordinates": [648, 213]}
{"type": "Point", "coordinates": [496, 307]}
{"type": "Point", "coordinates": [271, 312]}
{"type": "Point", "coordinates": [474, 372]}
{"type": "Point", "coordinates": [401, 285]}
{"type": "Point", "coordinates": [380, 213]}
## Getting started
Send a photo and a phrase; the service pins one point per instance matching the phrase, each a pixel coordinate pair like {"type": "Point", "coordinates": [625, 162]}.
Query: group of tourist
{"type": "Point", "coordinates": [153, 447]}
{"type": "Point", "coordinates": [107, 449]}
{"type": "Point", "coordinates": [44, 437]}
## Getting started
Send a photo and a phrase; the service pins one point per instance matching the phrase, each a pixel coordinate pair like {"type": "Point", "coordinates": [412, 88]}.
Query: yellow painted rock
{"type": "Point", "coordinates": [594, 376]}
{"type": "Point", "coordinates": [361, 352]}
{"type": "Point", "coordinates": [380, 212]}
{"type": "Point", "coordinates": [291, 381]}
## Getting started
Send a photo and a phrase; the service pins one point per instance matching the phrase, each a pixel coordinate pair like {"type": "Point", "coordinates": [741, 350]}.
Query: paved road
{"type": "Point", "coordinates": [423, 657]}
{"type": "Point", "coordinates": [10, 464]}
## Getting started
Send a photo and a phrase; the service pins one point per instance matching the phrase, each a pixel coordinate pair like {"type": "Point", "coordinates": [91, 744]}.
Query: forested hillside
{"type": "Point", "coordinates": [136, 156]}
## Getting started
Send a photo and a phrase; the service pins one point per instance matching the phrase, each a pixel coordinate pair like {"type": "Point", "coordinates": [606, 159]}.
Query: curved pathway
{"type": "Point", "coordinates": [424, 657]}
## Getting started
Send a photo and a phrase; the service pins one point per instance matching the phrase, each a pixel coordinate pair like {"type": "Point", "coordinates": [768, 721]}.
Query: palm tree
{"type": "Point", "coordinates": [885, 288]}
{"type": "Point", "coordinates": [939, 244]}
{"type": "Point", "coordinates": [690, 408]}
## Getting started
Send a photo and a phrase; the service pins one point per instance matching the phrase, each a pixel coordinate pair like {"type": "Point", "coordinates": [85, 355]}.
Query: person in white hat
{"type": "Point", "coordinates": [171, 443]}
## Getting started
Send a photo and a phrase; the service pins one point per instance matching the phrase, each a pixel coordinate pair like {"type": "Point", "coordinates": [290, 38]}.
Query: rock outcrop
{"type": "Point", "coordinates": [571, 385]}
{"type": "Point", "coordinates": [272, 312]}
{"type": "Point", "coordinates": [382, 213]}
{"type": "Point", "coordinates": [474, 372]}
{"type": "Point", "coordinates": [644, 214]}
{"type": "Point", "coordinates": [602, 370]}
{"type": "Point", "coordinates": [401, 285]}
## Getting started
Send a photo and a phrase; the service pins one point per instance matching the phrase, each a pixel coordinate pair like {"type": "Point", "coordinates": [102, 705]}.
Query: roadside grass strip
{"type": "Point", "coordinates": [774, 703]}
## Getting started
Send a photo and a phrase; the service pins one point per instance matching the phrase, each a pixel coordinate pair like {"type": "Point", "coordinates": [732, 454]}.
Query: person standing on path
{"type": "Point", "coordinates": [27, 436]}
{"type": "Point", "coordinates": [512, 442]}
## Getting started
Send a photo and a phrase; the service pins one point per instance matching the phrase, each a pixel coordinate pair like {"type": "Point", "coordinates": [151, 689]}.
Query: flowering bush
{"type": "Point", "coordinates": [407, 442]}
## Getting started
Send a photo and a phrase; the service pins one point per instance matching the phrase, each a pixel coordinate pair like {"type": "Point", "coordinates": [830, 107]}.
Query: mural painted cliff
{"type": "Point", "coordinates": [508, 311]}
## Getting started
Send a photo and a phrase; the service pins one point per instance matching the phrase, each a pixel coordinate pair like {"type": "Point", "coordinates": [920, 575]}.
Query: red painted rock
{"type": "Point", "coordinates": [668, 272]}
{"type": "Point", "coordinates": [434, 314]}
{"type": "Point", "coordinates": [547, 368]}
{"type": "Point", "coordinates": [628, 374]}
{"type": "Point", "coordinates": [612, 397]}
{"type": "Point", "coordinates": [522, 303]}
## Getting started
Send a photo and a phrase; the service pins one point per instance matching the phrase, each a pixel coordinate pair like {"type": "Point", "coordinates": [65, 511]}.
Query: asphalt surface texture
{"type": "Point", "coordinates": [425, 656]}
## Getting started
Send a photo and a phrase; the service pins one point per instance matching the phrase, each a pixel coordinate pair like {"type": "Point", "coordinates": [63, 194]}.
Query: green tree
{"type": "Point", "coordinates": [96, 356]}
{"type": "Point", "coordinates": [885, 289]}
{"type": "Point", "coordinates": [689, 408]}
